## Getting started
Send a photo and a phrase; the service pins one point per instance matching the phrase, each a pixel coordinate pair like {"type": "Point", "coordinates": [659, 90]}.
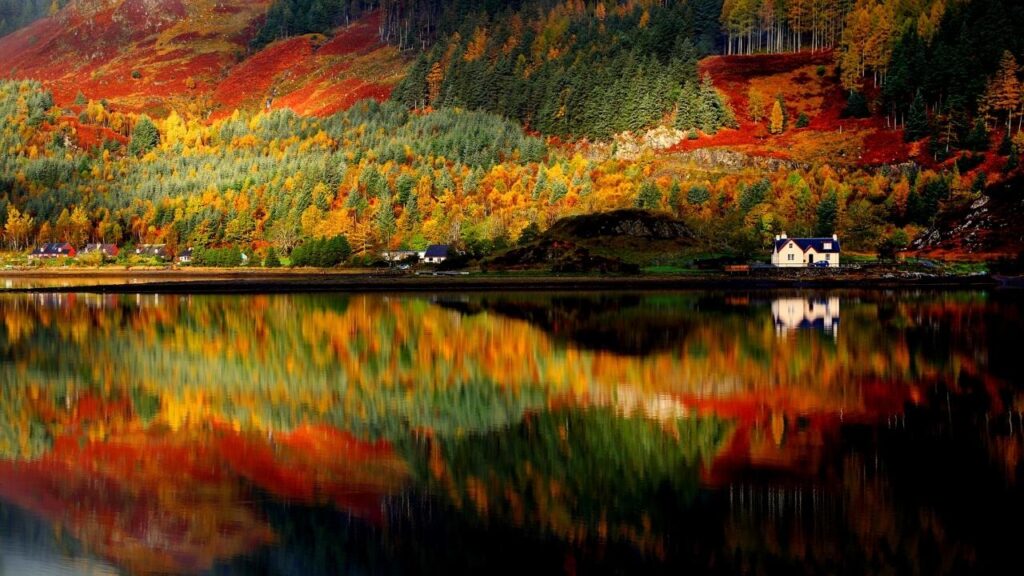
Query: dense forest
{"type": "Point", "coordinates": [384, 177]}
{"type": "Point", "coordinates": [459, 155]}
{"type": "Point", "coordinates": [570, 72]}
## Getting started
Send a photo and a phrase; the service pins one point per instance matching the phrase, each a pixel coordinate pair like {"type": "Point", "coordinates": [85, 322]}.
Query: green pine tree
{"type": "Point", "coordinates": [272, 260]}
{"type": "Point", "coordinates": [917, 120]}
{"type": "Point", "coordinates": [649, 197]}
{"type": "Point", "coordinates": [687, 109]}
{"type": "Point", "coordinates": [827, 215]}
{"type": "Point", "coordinates": [145, 136]}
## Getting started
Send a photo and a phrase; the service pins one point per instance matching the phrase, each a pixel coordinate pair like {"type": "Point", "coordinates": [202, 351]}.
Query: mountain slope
{"type": "Point", "coordinates": [155, 55]}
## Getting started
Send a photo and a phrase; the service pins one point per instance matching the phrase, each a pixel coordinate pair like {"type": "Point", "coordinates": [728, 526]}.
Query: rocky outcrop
{"type": "Point", "coordinates": [992, 224]}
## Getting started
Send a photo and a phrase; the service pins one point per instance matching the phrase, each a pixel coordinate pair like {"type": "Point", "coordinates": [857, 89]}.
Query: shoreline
{"type": "Point", "coordinates": [256, 281]}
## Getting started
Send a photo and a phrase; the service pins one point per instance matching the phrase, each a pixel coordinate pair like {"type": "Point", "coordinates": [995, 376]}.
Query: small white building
{"type": "Point", "coordinates": [792, 314]}
{"type": "Point", "coordinates": [399, 255]}
{"type": "Point", "coordinates": [435, 254]}
{"type": "Point", "coordinates": [804, 252]}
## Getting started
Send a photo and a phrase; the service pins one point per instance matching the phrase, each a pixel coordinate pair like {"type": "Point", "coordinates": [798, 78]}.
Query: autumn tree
{"type": "Point", "coordinates": [1003, 93]}
{"type": "Point", "coordinates": [18, 228]}
{"type": "Point", "coordinates": [755, 105]}
{"type": "Point", "coordinates": [777, 124]}
{"type": "Point", "coordinates": [79, 227]}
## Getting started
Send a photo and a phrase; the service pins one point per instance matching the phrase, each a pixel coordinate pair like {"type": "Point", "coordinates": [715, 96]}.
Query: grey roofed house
{"type": "Point", "coordinates": [436, 253]}
{"type": "Point", "coordinates": [107, 250]}
{"type": "Point", "coordinates": [398, 255]}
{"type": "Point", "coordinates": [153, 250]}
{"type": "Point", "coordinates": [185, 256]}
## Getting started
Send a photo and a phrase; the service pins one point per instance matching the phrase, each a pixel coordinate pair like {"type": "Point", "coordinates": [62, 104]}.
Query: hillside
{"type": "Point", "coordinates": [157, 55]}
{"type": "Point", "coordinates": [229, 123]}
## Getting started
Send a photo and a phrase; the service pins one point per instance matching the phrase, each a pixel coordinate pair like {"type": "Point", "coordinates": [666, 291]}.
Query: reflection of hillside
{"type": "Point", "coordinates": [160, 502]}
{"type": "Point", "coordinates": [582, 476]}
{"type": "Point", "coordinates": [622, 324]}
{"type": "Point", "coordinates": [379, 366]}
{"type": "Point", "coordinates": [503, 419]}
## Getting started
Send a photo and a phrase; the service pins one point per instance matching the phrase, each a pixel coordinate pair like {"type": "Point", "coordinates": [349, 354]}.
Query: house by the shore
{"type": "Point", "coordinates": [805, 252]}
{"type": "Point", "coordinates": [435, 254]}
{"type": "Point", "coordinates": [399, 255]}
{"type": "Point", "coordinates": [158, 251]}
{"type": "Point", "coordinates": [104, 250]}
{"type": "Point", "coordinates": [53, 250]}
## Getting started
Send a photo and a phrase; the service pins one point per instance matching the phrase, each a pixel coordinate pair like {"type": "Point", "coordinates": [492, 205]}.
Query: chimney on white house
{"type": "Point", "coordinates": [777, 237]}
{"type": "Point", "coordinates": [783, 236]}
{"type": "Point", "coordinates": [835, 237]}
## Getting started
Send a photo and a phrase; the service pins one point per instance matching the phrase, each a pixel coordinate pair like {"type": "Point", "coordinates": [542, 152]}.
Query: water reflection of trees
{"type": "Point", "coordinates": [379, 366]}
{"type": "Point", "coordinates": [501, 406]}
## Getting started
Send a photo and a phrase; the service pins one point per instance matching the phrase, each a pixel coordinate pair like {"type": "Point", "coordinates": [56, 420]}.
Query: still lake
{"type": "Point", "coordinates": [710, 432]}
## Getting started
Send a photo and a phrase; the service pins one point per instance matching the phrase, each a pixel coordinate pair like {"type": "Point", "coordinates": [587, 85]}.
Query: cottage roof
{"type": "Point", "coordinates": [436, 251]}
{"type": "Point", "coordinates": [53, 248]}
{"type": "Point", "coordinates": [100, 248]}
{"type": "Point", "coordinates": [820, 245]}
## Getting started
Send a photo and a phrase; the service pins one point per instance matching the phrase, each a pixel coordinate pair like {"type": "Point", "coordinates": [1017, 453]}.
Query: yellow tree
{"type": "Point", "coordinates": [755, 105]}
{"type": "Point", "coordinates": [778, 119]}
{"type": "Point", "coordinates": [1004, 90]}
{"type": "Point", "coordinates": [854, 44]}
{"type": "Point", "coordinates": [18, 228]}
{"type": "Point", "coordinates": [434, 79]}
{"type": "Point", "coordinates": [80, 228]}
{"type": "Point", "coordinates": [63, 228]}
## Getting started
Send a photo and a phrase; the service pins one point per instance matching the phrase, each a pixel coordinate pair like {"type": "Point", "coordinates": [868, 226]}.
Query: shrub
{"type": "Point", "coordinates": [698, 195]}
{"type": "Point", "coordinates": [529, 234]}
{"type": "Point", "coordinates": [802, 121]}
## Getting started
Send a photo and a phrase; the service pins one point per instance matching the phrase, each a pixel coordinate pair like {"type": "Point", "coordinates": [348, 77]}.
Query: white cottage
{"type": "Point", "coordinates": [804, 252]}
{"type": "Point", "coordinates": [792, 314]}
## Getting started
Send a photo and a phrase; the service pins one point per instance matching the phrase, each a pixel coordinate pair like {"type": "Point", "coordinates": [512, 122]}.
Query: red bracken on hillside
{"type": "Point", "coordinates": [808, 85]}
{"type": "Point", "coordinates": [156, 55]}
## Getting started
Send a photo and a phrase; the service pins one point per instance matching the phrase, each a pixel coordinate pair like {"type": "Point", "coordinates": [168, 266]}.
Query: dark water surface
{"type": "Point", "coordinates": [764, 432]}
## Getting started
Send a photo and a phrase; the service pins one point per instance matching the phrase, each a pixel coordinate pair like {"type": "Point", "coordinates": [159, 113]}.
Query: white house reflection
{"type": "Point", "coordinates": [791, 314]}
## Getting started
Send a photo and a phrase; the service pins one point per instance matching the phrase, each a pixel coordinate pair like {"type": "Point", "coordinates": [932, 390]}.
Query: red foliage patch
{"type": "Point", "coordinates": [359, 38]}
{"type": "Point", "coordinates": [255, 77]}
{"type": "Point", "coordinates": [884, 147]}
{"type": "Point", "coordinates": [823, 99]}
{"type": "Point", "coordinates": [326, 100]}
